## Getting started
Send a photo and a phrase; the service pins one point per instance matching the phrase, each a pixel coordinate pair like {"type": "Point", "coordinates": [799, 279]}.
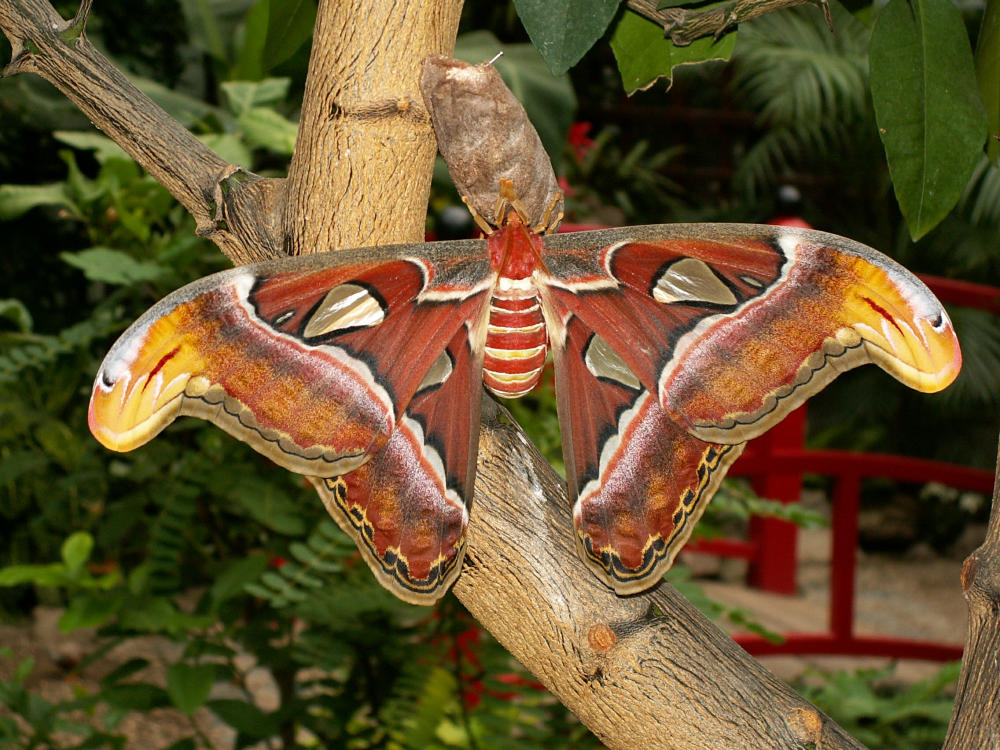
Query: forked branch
{"type": "Point", "coordinates": [214, 192]}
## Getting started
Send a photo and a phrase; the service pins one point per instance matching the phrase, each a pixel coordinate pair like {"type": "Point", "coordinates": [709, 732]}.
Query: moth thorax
{"type": "Point", "coordinates": [516, 343]}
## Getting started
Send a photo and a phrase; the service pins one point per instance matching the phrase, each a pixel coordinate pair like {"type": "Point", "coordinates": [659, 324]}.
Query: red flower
{"type": "Point", "coordinates": [578, 140]}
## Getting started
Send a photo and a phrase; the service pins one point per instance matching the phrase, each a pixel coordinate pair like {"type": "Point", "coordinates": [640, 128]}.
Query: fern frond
{"type": "Point", "coordinates": [315, 563]}
{"type": "Point", "coordinates": [424, 698]}
{"type": "Point", "coordinates": [809, 88]}
{"type": "Point", "coordinates": [790, 68]}
{"type": "Point", "coordinates": [981, 200]}
{"type": "Point", "coordinates": [167, 540]}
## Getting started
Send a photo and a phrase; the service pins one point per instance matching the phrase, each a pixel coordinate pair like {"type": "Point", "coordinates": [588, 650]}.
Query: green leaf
{"type": "Point", "coordinates": [229, 148]}
{"type": "Point", "coordinates": [268, 504]}
{"type": "Point", "coordinates": [135, 696]}
{"type": "Point", "coordinates": [232, 580]}
{"type": "Point", "coordinates": [289, 27]}
{"type": "Point", "coordinates": [563, 30]}
{"type": "Point", "coordinates": [113, 266]}
{"type": "Point", "coordinates": [548, 99]}
{"type": "Point", "coordinates": [76, 550]}
{"type": "Point", "coordinates": [17, 313]}
{"type": "Point", "coordinates": [244, 717]}
{"type": "Point", "coordinates": [188, 685]}
{"type": "Point", "coordinates": [265, 128]}
{"type": "Point", "coordinates": [930, 117]}
{"type": "Point", "coordinates": [158, 615]}
{"type": "Point", "coordinates": [122, 671]}
{"type": "Point", "coordinates": [103, 147]}
{"type": "Point", "coordinates": [988, 73]}
{"type": "Point", "coordinates": [51, 575]}
{"type": "Point", "coordinates": [24, 668]}
{"type": "Point", "coordinates": [644, 55]}
{"type": "Point", "coordinates": [243, 96]}
{"type": "Point", "coordinates": [249, 62]}
{"type": "Point", "coordinates": [18, 199]}
{"type": "Point", "coordinates": [202, 27]}
{"type": "Point", "coordinates": [89, 610]}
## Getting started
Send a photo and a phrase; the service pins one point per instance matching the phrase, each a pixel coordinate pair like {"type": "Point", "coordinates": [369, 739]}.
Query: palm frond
{"type": "Point", "coordinates": [789, 67]}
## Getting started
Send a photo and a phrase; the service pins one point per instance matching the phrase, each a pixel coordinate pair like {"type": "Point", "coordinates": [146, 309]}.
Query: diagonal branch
{"type": "Point", "coordinates": [213, 191]}
{"type": "Point", "coordinates": [640, 671]}
{"type": "Point", "coordinates": [683, 26]}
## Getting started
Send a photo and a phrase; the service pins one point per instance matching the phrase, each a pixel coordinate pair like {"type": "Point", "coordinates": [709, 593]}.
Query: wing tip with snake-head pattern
{"type": "Point", "coordinates": [202, 351]}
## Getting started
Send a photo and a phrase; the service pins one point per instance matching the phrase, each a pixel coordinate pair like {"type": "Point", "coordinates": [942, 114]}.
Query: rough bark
{"type": "Point", "coordinates": [642, 671]}
{"type": "Point", "coordinates": [975, 720]}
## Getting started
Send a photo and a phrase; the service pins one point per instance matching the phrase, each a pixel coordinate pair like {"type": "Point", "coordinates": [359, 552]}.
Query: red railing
{"type": "Point", "coordinates": [776, 463]}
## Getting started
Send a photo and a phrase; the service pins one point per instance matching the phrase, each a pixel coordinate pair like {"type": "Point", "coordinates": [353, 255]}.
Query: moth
{"type": "Point", "coordinates": [672, 346]}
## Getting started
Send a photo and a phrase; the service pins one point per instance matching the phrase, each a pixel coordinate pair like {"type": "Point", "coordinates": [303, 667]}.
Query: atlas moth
{"type": "Point", "coordinates": [672, 345]}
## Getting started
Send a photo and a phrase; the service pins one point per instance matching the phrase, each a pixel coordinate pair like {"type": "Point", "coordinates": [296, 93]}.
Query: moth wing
{"type": "Point", "coordinates": [733, 326]}
{"type": "Point", "coordinates": [407, 508]}
{"type": "Point", "coordinates": [640, 481]}
{"type": "Point", "coordinates": [309, 360]}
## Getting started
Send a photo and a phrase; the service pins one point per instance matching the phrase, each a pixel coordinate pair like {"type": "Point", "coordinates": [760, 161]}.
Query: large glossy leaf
{"type": "Point", "coordinates": [549, 99]}
{"type": "Point", "coordinates": [929, 113]}
{"type": "Point", "coordinates": [644, 55]}
{"type": "Point", "coordinates": [563, 30]}
{"type": "Point", "coordinates": [988, 73]}
{"type": "Point", "coordinates": [290, 25]}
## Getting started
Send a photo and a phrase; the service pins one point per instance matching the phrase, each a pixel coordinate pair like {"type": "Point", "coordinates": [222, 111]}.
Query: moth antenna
{"type": "Point", "coordinates": [551, 219]}
{"type": "Point", "coordinates": [495, 57]}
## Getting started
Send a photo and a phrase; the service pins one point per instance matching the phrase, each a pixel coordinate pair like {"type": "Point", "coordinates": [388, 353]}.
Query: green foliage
{"type": "Point", "coordinates": [644, 56]}
{"type": "Point", "coordinates": [987, 61]}
{"type": "Point", "coordinates": [882, 715]}
{"type": "Point", "coordinates": [810, 90]}
{"type": "Point", "coordinates": [195, 539]}
{"type": "Point", "coordinates": [564, 30]}
{"type": "Point", "coordinates": [930, 115]}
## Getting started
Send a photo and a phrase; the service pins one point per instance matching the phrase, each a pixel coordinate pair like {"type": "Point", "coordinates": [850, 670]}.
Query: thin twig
{"type": "Point", "coordinates": [683, 26]}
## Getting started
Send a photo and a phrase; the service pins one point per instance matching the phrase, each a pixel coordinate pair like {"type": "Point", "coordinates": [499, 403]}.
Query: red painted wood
{"type": "Point", "coordinates": [826, 643]}
{"type": "Point", "coordinates": [773, 569]}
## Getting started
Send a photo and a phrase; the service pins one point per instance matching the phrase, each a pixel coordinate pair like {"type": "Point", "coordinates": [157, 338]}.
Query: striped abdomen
{"type": "Point", "coordinates": [516, 342]}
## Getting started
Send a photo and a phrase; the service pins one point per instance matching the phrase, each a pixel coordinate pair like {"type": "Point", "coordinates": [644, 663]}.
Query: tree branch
{"type": "Point", "coordinates": [213, 191]}
{"type": "Point", "coordinates": [683, 26]}
{"type": "Point", "coordinates": [975, 721]}
{"type": "Point", "coordinates": [639, 671]}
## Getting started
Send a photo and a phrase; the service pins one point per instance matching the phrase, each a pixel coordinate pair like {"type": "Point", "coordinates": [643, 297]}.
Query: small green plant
{"type": "Point", "coordinates": [883, 715]}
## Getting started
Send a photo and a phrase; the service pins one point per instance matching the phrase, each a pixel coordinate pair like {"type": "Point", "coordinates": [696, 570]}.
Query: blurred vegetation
{"type": "Point", "coordinates": [122, 540]}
